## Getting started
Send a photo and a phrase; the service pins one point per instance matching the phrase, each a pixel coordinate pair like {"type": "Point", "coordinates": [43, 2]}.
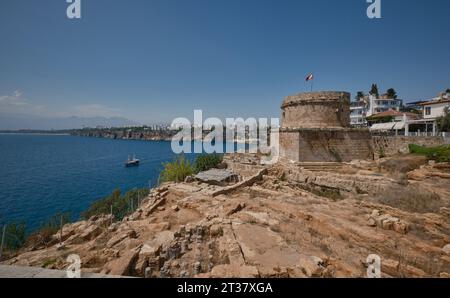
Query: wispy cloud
{"type": "Point", "coordinates": [14, 99]}
{"type": "Point", "coordinates": [17, 103]}
{"type": "Point", "coordinates": [93, 110]}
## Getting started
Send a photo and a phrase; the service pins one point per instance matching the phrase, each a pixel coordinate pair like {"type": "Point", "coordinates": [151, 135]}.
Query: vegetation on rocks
{"type": "Point", "coordinates": [411, 198]}
{"type": "Point", "coordinates": [120, 205]}
{"type": "Point", "coordinates": [180, 168]}
{"type": "Point", "coordinates": [443, 122]}
{"type": "Point", "coordinates": [323, 219]}
{"type": "Point", "coordinates": [205, 162]}
{"type": "Point", "coordinates": [177, 170]}
{"type": "Point", "coordinates": [15, 236]}
{"type": "Point", "coordinates": [43, 236]}
{"type": "Point", "coordinates": [439, 154]}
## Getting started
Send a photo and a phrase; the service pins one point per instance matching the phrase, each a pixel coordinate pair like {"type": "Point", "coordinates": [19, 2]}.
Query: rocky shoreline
{"type": "Point", "coordinates": [127, 134]}
{"type": "Point", "coordinates": [286, 220]}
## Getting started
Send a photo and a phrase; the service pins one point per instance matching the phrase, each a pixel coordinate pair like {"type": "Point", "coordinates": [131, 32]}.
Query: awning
{"type": "Point", "coordinates": [383, 126]}
{"type": "Point", "coordinates": [399, 125]}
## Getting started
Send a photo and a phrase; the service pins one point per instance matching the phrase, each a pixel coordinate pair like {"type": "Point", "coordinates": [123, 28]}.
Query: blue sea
{"type": "Point", "coordinates": [44, 174]}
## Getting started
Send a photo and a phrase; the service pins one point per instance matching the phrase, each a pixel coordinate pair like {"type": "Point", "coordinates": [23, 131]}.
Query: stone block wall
{"type": "Point", "coordinates": [316, 110]}
{"type": "Point", "coordinates": [325, 145]}
{"type": "Point", "coordinates": [244, 165]}
{"type": "Point", "coordinates": [392, 145]}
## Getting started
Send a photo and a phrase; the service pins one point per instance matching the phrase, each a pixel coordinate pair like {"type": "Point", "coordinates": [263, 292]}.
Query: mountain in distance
{"type": "Point", "coordinates": [25, 121]}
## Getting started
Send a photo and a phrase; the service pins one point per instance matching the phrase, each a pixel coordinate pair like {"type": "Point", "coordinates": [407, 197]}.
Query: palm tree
{"type": "Point", "coordinates": [359, 95]}
{"type": "Point", "coordinates": [391, 93]}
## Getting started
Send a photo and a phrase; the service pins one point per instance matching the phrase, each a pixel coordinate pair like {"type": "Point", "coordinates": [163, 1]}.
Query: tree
{"type": "Point", "coordinates": [447, 91]}
{"type": "Point", "coordinates": [359, 95]}
{"type": "Point", "coordinates": [15, 235]}
{"type": "Point", "coordinates": [444, 121]}
{"type": "Point", "coordinates": [391, 93]}
{"type": "Point", "coordinates": [374, 90]}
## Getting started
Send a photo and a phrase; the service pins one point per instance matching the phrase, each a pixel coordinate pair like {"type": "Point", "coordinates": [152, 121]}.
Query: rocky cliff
{"type": "Point", "coordinates": [288, 220]}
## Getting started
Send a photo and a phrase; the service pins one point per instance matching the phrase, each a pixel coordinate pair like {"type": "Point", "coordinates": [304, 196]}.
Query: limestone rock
{"type": "Point", "coordinates": [215, 230]}
{"type": "Point", "coordinates": [371, 222]}
{"type": "Point", "coordinates": [390, 267]}
{"type": "Point", "coordinates": [446, 249]}
{"type": "Point", "coordinates": [387, 222]}
{"type": "Point", "coordinates": [147, 254]}
{"type": "Point", "coordinates": [401, 227]}
{"type": "Point", "coordinates": [159, 227]}
{"type": "Point", "coordinates": [122, 265]}
{"type": "Point", "coordinates": [255, 229]}
{"type": "Point", "coordinates": [234, 271]}
{"type": "Point", "coordinates": [312, 266]}
{"type": "Point", "coordinates": [120, 237]}
{"type": "Point", "coordinates": [238, 207]}
{"type": "Point", "coordinates": [189, 179]}
{"type": "Point", "coordinates": [91, 232]}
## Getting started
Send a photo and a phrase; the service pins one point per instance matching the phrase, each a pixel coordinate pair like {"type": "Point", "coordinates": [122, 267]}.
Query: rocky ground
{"type": "Point", "coordinates": [288, 220]}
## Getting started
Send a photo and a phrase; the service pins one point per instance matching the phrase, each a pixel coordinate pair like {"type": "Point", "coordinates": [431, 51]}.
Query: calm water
{"type": "Point", "coordinates": [43, 174]}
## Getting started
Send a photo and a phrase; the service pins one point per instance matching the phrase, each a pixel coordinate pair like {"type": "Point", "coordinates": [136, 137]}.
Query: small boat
{"type": "Point", "coordinates": [134, 162]}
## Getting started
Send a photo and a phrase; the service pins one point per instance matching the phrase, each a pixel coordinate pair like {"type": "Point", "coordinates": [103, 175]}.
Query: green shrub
{"type": "Point", "coordinates": [48, 262]}
{"type": "Point", "coordinates": [44, 235]}
{"type": "Point", "coordinates": [443, 122]}
{"type": "Point", "coordinates": [205, 162]}
{"type": "Point", "coordinates": [177, 170]}
{"type": "Point", "coordinates": [122, 205]}
{"type": "Point", "coordinates": [41, 237]}
{"type": "Point", "coordinates": [439, 154]}
{"type": "Point", "coordinates": [15, 236]}
{"type": "Point", "coordinates": [54, 222]}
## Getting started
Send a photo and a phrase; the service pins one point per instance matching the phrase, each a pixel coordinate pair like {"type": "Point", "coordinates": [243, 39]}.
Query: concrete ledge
{"type": "Point", "coordinates": [36, 272]}
{"type": "Point", "coordinates": [248, 182]}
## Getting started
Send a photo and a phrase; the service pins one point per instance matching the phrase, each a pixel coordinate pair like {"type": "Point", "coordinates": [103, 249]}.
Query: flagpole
{"type": "Point", "coordinates": [310, 77]}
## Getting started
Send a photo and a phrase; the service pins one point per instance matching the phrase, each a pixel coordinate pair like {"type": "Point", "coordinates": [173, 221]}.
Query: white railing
{"type": "Point", "coordinates": [429, 134]}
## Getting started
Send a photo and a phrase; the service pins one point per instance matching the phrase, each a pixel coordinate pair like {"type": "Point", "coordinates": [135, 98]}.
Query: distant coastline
{"type": "Point", "coordinates": [127, 133]}
{"type": "Point", "coordinates": [140, 133]}
{"type": "Point", "coordinates": [35, 132]}
{"type": "Point", "coordinates": [123, 133]}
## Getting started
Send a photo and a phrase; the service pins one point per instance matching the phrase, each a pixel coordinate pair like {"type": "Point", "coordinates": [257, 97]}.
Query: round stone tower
{"type": "Point", "coordinates": [316, 128]}
{"type": "Point", "coordinates": [316, 110]}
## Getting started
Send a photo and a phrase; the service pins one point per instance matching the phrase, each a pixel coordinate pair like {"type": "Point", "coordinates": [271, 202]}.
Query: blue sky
{"type": "Point", "coordinates": [154, 60]}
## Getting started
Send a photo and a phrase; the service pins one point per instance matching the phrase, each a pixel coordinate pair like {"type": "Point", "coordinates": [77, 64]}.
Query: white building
{"type": "Point", "coordinates": [383, 104]}
{"type": "Point", "coordinates": [436, 107]}
{"type": "Point", "coordinates": [371, 105]}
{"type": "Point", "coordinates": [358, 112]}
{"type": "Point", "coordinates": [398, 121]}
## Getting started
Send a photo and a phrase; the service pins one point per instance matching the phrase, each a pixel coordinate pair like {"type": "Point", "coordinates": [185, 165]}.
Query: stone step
{"type": "Point", "coordinates": [37, 272]}
{"type": "Point", "coordinates": [320, 166]}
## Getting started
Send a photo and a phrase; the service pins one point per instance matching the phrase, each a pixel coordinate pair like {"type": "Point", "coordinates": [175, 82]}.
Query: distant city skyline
{"type": "Point", "coordinates": [151, 61]}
